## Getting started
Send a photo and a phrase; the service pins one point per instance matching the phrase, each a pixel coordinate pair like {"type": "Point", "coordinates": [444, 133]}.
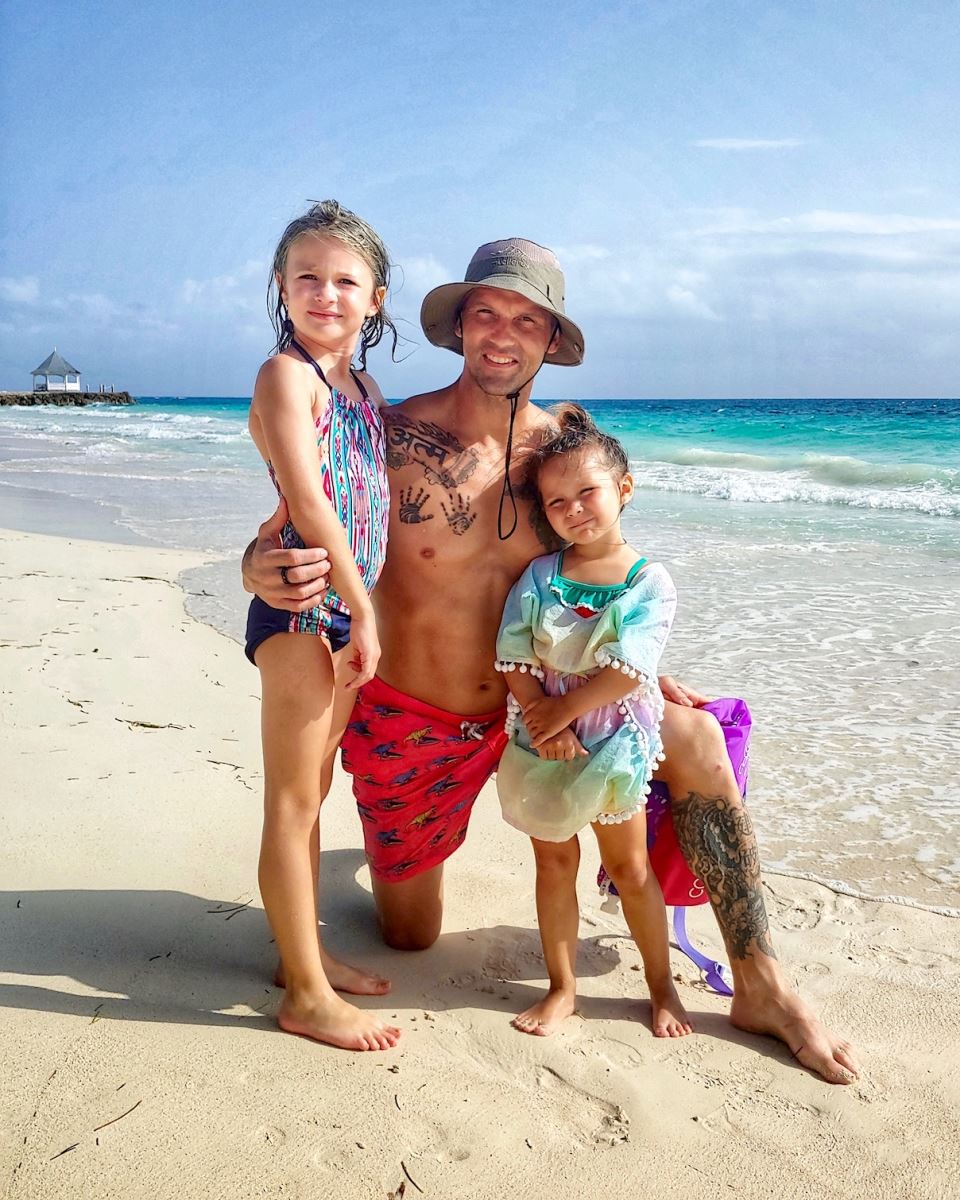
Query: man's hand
{"type": "Point", "coordinates": [679, 693]}
{"type": "Point", "coordinates": [545, 718]}
{"type": "Point", "coordinates": [562, 747]}
{"type": "Point", "coordinates": [292, 580]}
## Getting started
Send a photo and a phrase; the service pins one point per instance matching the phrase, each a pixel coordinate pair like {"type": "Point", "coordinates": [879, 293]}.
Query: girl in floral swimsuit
{"type": "Point", "coordinates": [581, 638]}
{"type": "Point", "coordinates": [316, 422]}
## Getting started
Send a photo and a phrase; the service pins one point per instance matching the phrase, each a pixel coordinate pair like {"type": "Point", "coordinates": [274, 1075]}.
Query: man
{"type": "Point", "coordinates": [427, 733]}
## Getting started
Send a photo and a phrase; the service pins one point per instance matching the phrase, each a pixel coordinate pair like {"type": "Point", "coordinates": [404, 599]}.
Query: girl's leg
{"type": "Point", "coordinates": [623, 849]}
{"type": "Point", "coordinates": [558, 916]}
{"type": "Point", "coordinates": [342, 976]}
{"type": "Point", "coordinates": [297, 712]}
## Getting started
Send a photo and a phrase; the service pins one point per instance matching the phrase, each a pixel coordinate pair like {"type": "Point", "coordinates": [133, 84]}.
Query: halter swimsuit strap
{"type": "Point", "coordinates": [316, 366]}
{"type": "Point", "coordinates": [595, 587]}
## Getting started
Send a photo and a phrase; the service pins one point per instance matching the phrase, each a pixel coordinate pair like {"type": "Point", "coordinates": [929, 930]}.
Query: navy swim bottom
{"type": "Point", "coordinates": [264, 621]}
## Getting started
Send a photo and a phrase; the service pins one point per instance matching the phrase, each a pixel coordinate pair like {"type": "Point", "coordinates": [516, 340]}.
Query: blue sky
{"type": "Point", "coordinates": [748, 199]}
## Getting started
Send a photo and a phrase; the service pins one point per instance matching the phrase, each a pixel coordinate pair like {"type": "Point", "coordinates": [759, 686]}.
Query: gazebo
{"type": "Point", "coordinates": [56, 375]}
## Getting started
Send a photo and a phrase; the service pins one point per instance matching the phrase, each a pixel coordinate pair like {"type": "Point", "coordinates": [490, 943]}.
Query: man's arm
{"type": "Point", "coordinates": [306, 570]}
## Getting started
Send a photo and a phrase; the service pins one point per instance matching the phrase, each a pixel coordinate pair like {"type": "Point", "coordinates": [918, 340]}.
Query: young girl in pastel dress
{"type": "Point", "coordinates": [316, 422]}
{"type": "Point", "coordinates": [581, 637]}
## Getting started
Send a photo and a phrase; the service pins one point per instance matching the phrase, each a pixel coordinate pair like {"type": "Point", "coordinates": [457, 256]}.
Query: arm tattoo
{"type": "Point", "coordinates": [411, 507]}
{"type": "Point", "coordinates": [459, 517]}
{"type": "Point", "coordinates": [443, 459]}
{"type": "Point", "coordinates": [717, 840]}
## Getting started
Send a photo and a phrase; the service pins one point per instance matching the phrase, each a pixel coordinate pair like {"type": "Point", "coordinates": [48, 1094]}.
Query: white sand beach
{"type": "Point", "coordinates": [136, 1033]}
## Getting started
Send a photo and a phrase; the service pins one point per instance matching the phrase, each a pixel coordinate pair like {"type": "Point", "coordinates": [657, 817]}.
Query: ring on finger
{"type": "Point", "coordinates": [283, 576]}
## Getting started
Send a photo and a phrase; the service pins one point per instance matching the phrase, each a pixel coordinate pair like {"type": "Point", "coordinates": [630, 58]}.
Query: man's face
{"type": "Point", "coordinates": [505, 338]}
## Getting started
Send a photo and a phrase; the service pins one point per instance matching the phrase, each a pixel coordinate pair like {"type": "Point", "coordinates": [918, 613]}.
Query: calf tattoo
{"type": "Point", "coordinates": [717, 839]}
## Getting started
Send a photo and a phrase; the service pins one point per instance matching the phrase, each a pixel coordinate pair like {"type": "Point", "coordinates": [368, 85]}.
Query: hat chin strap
{"type": "Point", "coordinates": [507, 490]}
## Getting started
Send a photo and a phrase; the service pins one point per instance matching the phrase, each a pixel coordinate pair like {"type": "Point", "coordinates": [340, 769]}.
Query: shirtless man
{"type": "Point", "coordinates": [427, 733]}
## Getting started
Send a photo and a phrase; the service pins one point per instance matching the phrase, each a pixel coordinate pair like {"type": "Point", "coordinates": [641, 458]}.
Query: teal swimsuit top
{"type": "Point", "coordinates": [590, 597]}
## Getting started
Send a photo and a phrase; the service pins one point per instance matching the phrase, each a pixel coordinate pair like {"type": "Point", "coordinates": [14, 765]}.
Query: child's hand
{"type": "Point", "coordinates": [562, 747]}
{"type": "Point", "coordinates": [365, 648]}
{"type": "Point", "coordinates": [544, 718]}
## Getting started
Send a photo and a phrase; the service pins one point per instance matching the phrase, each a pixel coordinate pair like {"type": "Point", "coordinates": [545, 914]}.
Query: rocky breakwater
{"type": "Point", "coordinates": [66, 398]}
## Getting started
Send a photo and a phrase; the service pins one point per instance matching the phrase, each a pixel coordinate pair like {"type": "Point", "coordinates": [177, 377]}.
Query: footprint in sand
{"type": "Point", "coordinates": [594, 1120]}
{"type": "Point", "coordinates": [268, 1135]}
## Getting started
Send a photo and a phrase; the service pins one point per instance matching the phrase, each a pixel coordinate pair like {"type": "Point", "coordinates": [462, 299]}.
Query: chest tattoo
{"type": "Point", "coordinates": [459, 517]}
{"type": "Point", "coordinates": [411, 506]}
{"type": "Point", "coordinates": [443, 459]}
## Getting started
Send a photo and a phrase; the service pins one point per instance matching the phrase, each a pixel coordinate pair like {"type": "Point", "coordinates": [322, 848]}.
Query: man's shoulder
{"type": "Point", "coordinates": [423, 405]}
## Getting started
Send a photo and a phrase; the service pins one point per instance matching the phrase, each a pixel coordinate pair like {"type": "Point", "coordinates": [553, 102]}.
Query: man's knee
{"type": "Point", "coordinates": [696, 757]}
{"type": "Point", "coordinates": [410, 913]}
{"type": "Point", "coordinates": [403, 936]}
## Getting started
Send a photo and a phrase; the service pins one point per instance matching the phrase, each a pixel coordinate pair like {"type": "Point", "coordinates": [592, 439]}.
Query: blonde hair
{"type": "Point", "coordinates": [328, 218]}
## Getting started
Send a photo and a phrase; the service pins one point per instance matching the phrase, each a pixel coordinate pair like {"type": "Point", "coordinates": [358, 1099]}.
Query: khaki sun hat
{"type": "Point", "coordinates": [513, 265]}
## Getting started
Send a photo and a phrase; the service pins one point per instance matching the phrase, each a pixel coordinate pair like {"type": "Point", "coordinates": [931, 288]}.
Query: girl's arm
{"type": "Point", "coordinates": [644, 616]}
{"type": "Point", "coordinates": [545, 716]}
{"type": "Point", "coordinates": [283, 409]}
{"type": "Point", "coordinates": [525, 687]}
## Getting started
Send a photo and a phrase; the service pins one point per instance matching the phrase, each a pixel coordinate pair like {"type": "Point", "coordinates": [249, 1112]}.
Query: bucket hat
{"type": "Point", "coordinates": [513, 265]}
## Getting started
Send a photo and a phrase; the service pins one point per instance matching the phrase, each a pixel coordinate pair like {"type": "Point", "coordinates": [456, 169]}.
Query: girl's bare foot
{"type": "Point", "coordinates": [547, 1015]}
{"type": "Point", "coordinates": [669, 1016]}
{"type": "Point", "coordinates": [337, 1023]}
{"type": "Point", "coordinates": [343, 977]}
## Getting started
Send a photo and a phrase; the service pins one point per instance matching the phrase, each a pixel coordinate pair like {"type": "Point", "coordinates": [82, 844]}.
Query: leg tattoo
{"type": "Point", "coordinates": [717, 839]}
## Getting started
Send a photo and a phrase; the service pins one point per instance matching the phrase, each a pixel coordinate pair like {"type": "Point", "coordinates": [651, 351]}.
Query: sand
{"type": "Point", "coordinates": [139, 1050]}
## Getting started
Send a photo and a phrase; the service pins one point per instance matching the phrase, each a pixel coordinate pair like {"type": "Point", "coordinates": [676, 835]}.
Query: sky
{"type": "Point", "coordinates": [747, 199]}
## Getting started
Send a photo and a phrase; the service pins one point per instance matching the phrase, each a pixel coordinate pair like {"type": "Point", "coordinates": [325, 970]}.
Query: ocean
{"type": "Point", "coordinates": [815, 545]}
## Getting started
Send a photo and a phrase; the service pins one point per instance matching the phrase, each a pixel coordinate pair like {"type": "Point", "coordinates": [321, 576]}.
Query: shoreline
{"type": "Point", "coordinates": [213, 595]}
{"type": "Point", "coordinates": [137, 1006]}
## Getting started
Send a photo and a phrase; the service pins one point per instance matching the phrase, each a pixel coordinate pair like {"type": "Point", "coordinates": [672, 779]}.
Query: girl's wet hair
{"type": "Point", "coordinates": [576, 432]}
{"type": "Point", "coordinates": [329, 218]}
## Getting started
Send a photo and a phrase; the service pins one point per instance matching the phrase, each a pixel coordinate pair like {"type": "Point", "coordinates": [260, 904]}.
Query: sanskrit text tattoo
{"type": "Point", "coordinates": [411, 507]}
{"type": "Point", "coordinates": [459, 517]}
{"type": "Point", "coordinates": [717, 839]}
{"type": "Point", "coordinates": [443, 459]}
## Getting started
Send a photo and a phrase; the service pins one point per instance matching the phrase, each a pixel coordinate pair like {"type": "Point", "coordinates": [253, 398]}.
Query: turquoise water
{"type": "Point", "coordinates": [882, 469]}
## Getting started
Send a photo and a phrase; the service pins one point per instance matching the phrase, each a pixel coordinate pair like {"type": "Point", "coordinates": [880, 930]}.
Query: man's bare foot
{"type": "Point", "coordinates": [782, 1014]}
{"type": "Point", "coordinates": [343, 977]}
{"type": "Point", "coordinates": [547, 1015]}
{"type": "Point", "coordinates": [337, 1023]}
{"type": "Point", "coordinates": [669, 1016]}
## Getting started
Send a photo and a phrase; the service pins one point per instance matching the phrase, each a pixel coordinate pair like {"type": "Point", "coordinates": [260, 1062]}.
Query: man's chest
{"type": "Point", "coordinates": [448, 500]}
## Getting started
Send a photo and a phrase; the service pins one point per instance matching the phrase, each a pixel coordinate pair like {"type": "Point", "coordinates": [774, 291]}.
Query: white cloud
{"type": "Point", "coordinates": [417, 274]}
{"type": "Point", "coordinates": [819, 221]}
{"type": "Point", "coordinates": [20, 291]}
{"type": "Point", "coordinates": [242, 289]}
{"type": "Point", "coordinates": [748, 143]}
{"type": "Point", "coordinates": [689, 303]}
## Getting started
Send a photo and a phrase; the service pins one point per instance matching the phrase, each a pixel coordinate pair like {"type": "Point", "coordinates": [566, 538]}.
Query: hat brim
{"type": "Point", "coordinates": [438, 317]}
